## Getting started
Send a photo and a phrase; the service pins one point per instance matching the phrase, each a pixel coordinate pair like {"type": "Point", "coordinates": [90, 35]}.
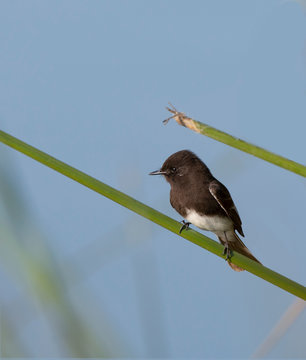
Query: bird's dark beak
{"type": "Point", "coordinates": [158, 172]}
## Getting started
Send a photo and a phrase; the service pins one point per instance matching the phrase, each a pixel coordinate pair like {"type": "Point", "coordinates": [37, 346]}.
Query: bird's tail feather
{"type": "Point", "coordinates": [236, 244]}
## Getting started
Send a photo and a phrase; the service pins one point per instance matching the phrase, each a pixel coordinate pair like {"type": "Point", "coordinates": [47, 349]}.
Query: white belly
{"type": "Point", "coordinates": [210, 223]}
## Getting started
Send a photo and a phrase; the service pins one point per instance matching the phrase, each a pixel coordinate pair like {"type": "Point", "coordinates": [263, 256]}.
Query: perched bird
{"type": "Point", "coordinates": [203, 201]}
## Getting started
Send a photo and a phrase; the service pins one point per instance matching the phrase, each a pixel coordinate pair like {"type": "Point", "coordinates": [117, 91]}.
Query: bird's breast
{"type": "Point", "coordinates": [209, 222]}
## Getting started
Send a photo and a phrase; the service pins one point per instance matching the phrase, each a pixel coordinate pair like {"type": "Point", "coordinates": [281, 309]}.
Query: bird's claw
{"type": "Point", "coordinates": [185, 225]}
{"type": "Point", "coordinates": [228, 252]}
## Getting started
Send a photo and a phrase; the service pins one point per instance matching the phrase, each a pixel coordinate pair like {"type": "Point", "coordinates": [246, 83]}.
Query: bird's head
{"type": "Point", "coordinates": [179, 166]}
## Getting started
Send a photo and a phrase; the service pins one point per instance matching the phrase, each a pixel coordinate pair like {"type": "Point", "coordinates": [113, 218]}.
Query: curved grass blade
{"type": "Point", "coordinates": [235, 142]}
{"type": "Point", "coordinates": [153, 215]}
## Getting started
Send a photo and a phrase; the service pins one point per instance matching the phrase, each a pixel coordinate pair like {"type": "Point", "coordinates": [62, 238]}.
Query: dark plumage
{"type": "Point", "coordinates": [203, 201]}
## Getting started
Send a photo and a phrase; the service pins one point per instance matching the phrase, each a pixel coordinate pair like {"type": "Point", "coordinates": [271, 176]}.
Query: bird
{"type": "Point", "coordinates": [204, 201]}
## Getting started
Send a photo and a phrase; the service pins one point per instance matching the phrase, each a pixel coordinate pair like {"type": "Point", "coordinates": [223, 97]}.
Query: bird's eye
{"type": "Point", "coordinates": [173, 170]}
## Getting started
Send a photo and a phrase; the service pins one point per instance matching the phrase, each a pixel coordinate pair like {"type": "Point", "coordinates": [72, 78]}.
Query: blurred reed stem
{"type": "Point", "coordinates": [285, 322]}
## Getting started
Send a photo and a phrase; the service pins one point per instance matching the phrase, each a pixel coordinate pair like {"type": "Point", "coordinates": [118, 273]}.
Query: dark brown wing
{"type": "Point", "coordinates": [223, 197]}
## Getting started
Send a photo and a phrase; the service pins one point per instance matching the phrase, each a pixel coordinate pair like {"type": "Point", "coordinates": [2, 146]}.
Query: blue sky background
{"type": "Point", "coordinates": [88, 82]}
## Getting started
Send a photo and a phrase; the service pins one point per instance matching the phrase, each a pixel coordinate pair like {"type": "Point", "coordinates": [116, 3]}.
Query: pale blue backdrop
{"type": "Point", "coordinates": [88, 82]}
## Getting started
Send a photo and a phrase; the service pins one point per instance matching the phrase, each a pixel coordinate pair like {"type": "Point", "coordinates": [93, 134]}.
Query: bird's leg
{"type": "Point", "coordinates": [227, 251]}
{"type": "Point", "coordinates": [185, 225]}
